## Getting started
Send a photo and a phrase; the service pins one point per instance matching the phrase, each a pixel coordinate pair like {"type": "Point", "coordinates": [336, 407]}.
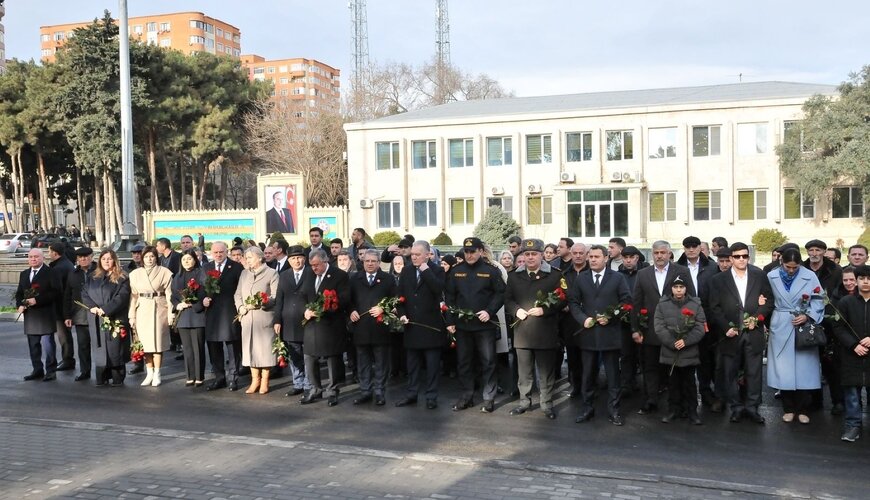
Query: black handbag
{"type": "Point", "coordinates": [809, 335]}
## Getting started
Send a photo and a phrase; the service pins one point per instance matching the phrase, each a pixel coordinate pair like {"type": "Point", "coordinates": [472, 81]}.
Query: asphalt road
{"type": "Point", "coordinates": [809, 459]}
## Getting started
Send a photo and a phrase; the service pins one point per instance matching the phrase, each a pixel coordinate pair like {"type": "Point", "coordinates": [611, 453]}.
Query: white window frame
{"type": "Point", "coordinates": [429, 158]}
{"type": "Point", "coordinates": [546, 210]}
{"type": "Point", "coordinates": [467, 211]}
{"type": "Point", "coordinates": [806, 206]}
{"type": "Point", "coordinates": [580, 153]}
{"type": "Point", "coordinates": [505, 203]}
{"type": "Point", "coordinates": [669, 205]}
{"type": "Point", "coordinates": [714, 205]}
{"type": "Point", "coordinates": [759, 209]}
{"type": "Point", "coordinates": [545, 156]}
{"type": "Point", "coordinates": [669, 150]}
{"type": "Point", "coordinates": [621, 135]}
{"type": "Point", "coordinates": [505, 149]}
{"type": "Point", "coordinates": [467, 158]}
{"type": "Point", "coordinates": [752, 139]}
{"type": "Point", "coordinates": [394, 154]}
{"type": "Point", "coordinates": [852, 192]}
{"type": "Point", "coordinates": [430, 207]}
{"type": "Point", "coordinates": [394, 208]}
{"type": "Point", "coordinates": [710, 140]}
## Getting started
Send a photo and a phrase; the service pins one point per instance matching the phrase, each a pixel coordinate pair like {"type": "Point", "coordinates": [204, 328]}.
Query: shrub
{"type": "Point", "coordinates": [496, 227]}
{"type": "Point", "coordinates": [765, 240]}
{"type": "Point", "coordinates": [386, 238]}
{"type": "Point", "coordinates": [864, 239]}
{"type": "Point", "coordinates": [442, 239]}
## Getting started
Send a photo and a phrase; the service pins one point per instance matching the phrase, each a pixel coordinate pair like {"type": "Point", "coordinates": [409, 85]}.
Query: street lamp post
{"type": "Point", "coordinates": [129, 233]}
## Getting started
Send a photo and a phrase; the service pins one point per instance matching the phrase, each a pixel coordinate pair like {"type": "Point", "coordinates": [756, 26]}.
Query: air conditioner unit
{"type": "Point", "coordinates": [497, 191]}
{"type": "Point", "coordinates": [534, 188]}
{"type": "Point", "coordinates": [626, 177]}
{"type": "Point", "coordinates": [366, 203]}
{"type": "Point", "coordinates": [616, 177]}
{"type": "Point", "coordinates": [566, 177]}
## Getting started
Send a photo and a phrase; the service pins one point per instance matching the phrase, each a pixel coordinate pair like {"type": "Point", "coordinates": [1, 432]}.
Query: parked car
{"type": "Point", "coordinates": [14, 242]}
{"type": "Point", "coordinates": [45, 240]}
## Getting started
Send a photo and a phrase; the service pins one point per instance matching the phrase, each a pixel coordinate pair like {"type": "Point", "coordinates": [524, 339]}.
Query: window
{"type": "Point", "coordinates": [792, 132]}
{"type": "Point", "coordinates": [58, 36]}
{"type": "Point", "coordinates": [258, 71]}
{"type": "Point", "coordinates": [579, 146]}
{"type": "Point", "coordinates": [45, 37]}
{"type": "Point", "coordinates": [662, 143]}
{"type": "Point", "coordinates": [424, 154]}
{"type": "Point", "coordinates": [282, 69]}
{"type": "Point", "coordinates": [461, 153]}
{"type": "Point", "coordinates": [539, 210]}
{"type": "Point", "coordinates": [751, 138]}
{"type": "Point", "coordinates": [166, 42]}
{"type": "Point", "coordinates": [228, 35]}
{"type": "Point", "coordinates": [797, 206]}
{"type": "Point", "coordinates": [505, 203]}
{"type": "Point", "coordinates": [707, 205]}
{"type": "Point", "coordinates": [425, 213]}
{"type": "Point", "coordinates": [219, 32]}
{"type": "Point", "coordinates": [389, 214]}
{"type": "Point", "coordinates": [208, 28]}
{"type": "Point", "coordinates": [539, 149]}
{"type": "Point", "coordinates": [706, 140]}
{"type": "Point", "coordinates": [284, 80]}
{"type": "Point", "coordinates": [461, 211]}
{"type": "Point", "coordinates": [847, 202]}
{"type": "Point", "coordinates": [165, 27]}
{"type": "Point", "coordinates": [284, 92]}
{"type": "Point", "coordinates": [209, 43]}
{"type": "Point", "coordinates": [752, 204]}
{"type": "Point", "coordinates": [151, 27]}
{"type": "Point", "coordinates": [388, 155]}
{"type": "Point", "coordinates": [199, 25]}
{"type": "Point", "coordinates": [662, 207]}
{"type": "Point", "coordinates": [137, 29]}
{"type": "Point", "coordinates": [47, 52]}
{"type": "Point", "coordinates": [270, 69]}
{"type": "Point", "coordinates": [498, 151]}
{"type": "Point", "coordinates": [194, 39]}
{"type": "Point", "coordinates": [619, 145]}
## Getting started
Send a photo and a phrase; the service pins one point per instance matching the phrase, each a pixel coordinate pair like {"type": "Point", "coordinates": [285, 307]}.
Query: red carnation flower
{"type": "Point", "coordinates": [123, 332]}
{"type": "Point", "coordinates": [214, 273]}
{"type": "Point", "coordinates": [443, 307]}
{"type": "Point", "coordinates": [264, 298]}
{"type": "Point", "coordinates": [453, 345]}
{"type": "Point", "coordinates": [34, 286]}
{"type": "Point", "coordinates": [817, 289]}
{"type": "Point", "coordinates": [805, 296]}
{"type": "Point", "coordinates": [627, 307]}
{"type": "Point", "coordinates": [760, 317]}
{"type": "Point", "coordinates": [687, 312]}
{"type": "Point", "coordinates": [380, 319]}
{"type": "Point", "coordinates": [644, 311]}
{"type": "Point", "coordinates": [401, 300]}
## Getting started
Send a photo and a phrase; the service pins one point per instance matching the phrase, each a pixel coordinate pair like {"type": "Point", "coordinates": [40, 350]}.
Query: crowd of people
{"type": "Point", "coordinates": [698, 327]}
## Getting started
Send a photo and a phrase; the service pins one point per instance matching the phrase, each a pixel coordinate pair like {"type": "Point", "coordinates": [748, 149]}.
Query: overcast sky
{"type": "Point", "coordinates": [537, 47]}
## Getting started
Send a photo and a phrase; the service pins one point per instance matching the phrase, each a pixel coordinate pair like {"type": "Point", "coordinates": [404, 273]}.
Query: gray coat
{"type": "Point", "coordinates": [669, 320]}
{"type": "Point", "coordinates": [257, 325]}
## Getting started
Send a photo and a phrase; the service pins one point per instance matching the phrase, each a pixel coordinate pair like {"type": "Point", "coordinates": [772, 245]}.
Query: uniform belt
{"type": "Point", "coordinates": [151, 295]}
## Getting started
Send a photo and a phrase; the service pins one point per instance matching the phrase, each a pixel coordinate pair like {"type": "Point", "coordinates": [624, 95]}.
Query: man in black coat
{"type": "Point", "coordinates": [595, 299]}
{"type": "Point", "coordinates": [631, 261]}
{"type": "Point", "coordinates": [38, 289]}
{"type": "Point", "coordinates": [536, 335]}
{"type": "Point", "coordinates": [76, 315]}
{"type": "Point", "coordinates": [221, 332]}
{"type": "Point", "coordinates": [169, 258]}
{"type": "Point", "coordinates": [568, 326]}
{"type": "Point", "coordinates": [422, 286]}
{"type": "Point", "coordinates": [477, 286]}
{"type": "Point", "coordinates": [61, 267]}
{"type": "Point", "coordinates": [370, 336]}
{"type": "Point", "coordinates": [651, 284]}
{"type": "Point", "coordinates": [280, 256]}
{"type": "Point", "coordinates": [325, 334]}
{"type": "Point", "coordinates": [289, 310]}
{"type": "Point", "coordinates": [737, 298]}
{"type": "Point", "coordinates": [853, 339]}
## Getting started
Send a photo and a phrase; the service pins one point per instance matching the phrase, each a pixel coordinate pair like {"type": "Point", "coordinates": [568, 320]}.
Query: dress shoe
{"type": "Point", "coordinates": [34, 376]}
{"type": "Point", "coordinates": [735, 417]}
{"type": "Point", "coordinates": [585, 416]}
{"type": "Point", "coordinates": [462, 404]}
{"type": "Point", "coordinates": [82, 376]}
{"type": "Point", "coordinates": [519, 410]}
{"type": "Point", "coordinates": [137, 368]}
{"type": "Point", "coordinates": [754, 416]}
{"type": "Point", "coordinates": [380, 401]}
{"type": "Point", "coordinates": [803, 419]}
{"type": "Point", "coordinates": [65, 367]}
{"type": "Point", "coordinates": [217, 384]}
{"type": "Point", "coordinates": [49, 377]}
{"type": "Point", "coordinates": [431, 404]}
{"type": "Point", "coordinates": [647, 409]}
{"type": "Point", "coordinates": [616, 419]}
{"type": "Point", "coordinates": [294, 392]}
{"type": "Point", "coordinates": [332, 400]}
{"type": "Point", "coordinates": [788, 418]}
{"type": "Point", "coordinates": [670, 417]}
{"type": "Point", "coordinates": [718, 406]}
{"type": "Point", "coordinates": [549, 413]}
{"type": "Point", "coordinates": [406, 402]}
{"type": "Point", "coordinates": [365, 398]}
{"type": "Point", "coordinates": [117, 383]}
{"type": "Point", "coordinates": [488, 406]}
{"type": "Point", "coordinates": [310, 398]}
{"type": "Point", "coordinates": [233, 386]}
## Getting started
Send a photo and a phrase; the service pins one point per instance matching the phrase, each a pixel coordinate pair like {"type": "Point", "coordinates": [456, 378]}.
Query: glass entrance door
{"type": "Point", "coordinates": [598, 214]}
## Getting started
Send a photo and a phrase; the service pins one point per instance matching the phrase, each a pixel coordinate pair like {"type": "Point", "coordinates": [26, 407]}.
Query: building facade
{"type": "Point", "coordinates": [311, 84]}
{"type": "Point", "coordinates": [189, 32]}
{"type": "Point", "coordinates": [2, 39]}
{"type": "Point", "coordinates": [642, 165]}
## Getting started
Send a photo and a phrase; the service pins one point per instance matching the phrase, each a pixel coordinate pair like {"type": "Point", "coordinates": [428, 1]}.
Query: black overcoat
{"type": "Point", "coordinates": [328, 336]}
{"type": "Point", "coordinates": [367, 331]}
{"type": "Point", "coordinates": [290, 304]}
{"type": "Point", "coordinates": [219, 324]}
{"type": "Point", "coordinates": [423, 305]}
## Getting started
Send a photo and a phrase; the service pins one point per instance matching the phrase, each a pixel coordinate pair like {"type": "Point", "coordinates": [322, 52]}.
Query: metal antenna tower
{"type": "Point", "coordinates": [442, 46]}
{"type": "Point", "coordinates": [359, 42]}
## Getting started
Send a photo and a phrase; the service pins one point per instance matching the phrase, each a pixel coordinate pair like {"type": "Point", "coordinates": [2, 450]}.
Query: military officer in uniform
{"type": "Point", "coordinates": [476, 286]}
{"type": "Point", "coordinates": [536, 335]}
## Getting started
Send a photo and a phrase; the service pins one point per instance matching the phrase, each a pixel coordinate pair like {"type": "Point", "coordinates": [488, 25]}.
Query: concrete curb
{"type": "Point", "coordinates": [10, 317]}
{"type": "Point", "coordinates": [426, 457]}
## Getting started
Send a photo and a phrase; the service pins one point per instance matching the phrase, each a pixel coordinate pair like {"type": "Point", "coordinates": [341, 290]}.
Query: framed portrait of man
{"type": "Point", "coordinates": [281, 212]}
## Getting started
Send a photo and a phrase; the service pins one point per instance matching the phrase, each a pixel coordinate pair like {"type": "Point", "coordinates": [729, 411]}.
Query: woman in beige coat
{"type": "Point", "coordinates": [257, 323]}
{"type": "Point", "coordinates": [149, 311]}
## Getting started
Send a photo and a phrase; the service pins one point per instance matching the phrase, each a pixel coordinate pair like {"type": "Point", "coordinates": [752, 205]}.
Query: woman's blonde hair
{"type": "Point", "coordinates": [116, 273]}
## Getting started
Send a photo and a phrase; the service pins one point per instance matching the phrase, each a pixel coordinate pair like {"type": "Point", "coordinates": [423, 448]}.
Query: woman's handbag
{"type": "Point", "coordinates": [809, 335]}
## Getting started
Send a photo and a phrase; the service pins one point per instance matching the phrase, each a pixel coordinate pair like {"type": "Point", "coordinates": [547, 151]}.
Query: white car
{"type": "Point", "coordinates": [14, 242]}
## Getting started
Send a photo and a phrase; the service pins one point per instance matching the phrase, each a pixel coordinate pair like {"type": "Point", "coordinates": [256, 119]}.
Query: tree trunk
{"type": "Point", "coordinates": [223, 187]}
{"type": "Point", "coordinates": [107, 208]}
{"type": "Point", "coordinates": [203, 185]}
{"type": "Point", "coordinates": [119, 216]}
{"type": "Point", "coordinates": [194, 191]}
{"type": "Point", "coordinates": [7, 224]}
{"type": "Point", "coordinates": [99, 233]}
{"type": "Point", "coordinates": [44, 202]}
{"type": "Point", "coordinates": [16, 201]}
{"type": "Point", "coordinates": [181, 176]}
{"type": "Point", "coordinates": [152, 169]}
{"type": "Point", "coordinates": [169, 180]}
{"type": "Point", "coordinates": [79, 204]}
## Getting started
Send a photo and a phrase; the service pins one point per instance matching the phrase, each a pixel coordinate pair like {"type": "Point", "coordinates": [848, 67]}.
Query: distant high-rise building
{"type": "Point", "coordinates": [188, 32]}
{"type": "Point", "coordinates": [312, 84]}
{"type": "Point", "coordinates": [2, 40]}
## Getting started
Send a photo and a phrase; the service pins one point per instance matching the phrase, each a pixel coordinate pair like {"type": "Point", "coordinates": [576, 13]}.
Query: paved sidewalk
{"type": "Point", "coordinates": [56, 459]}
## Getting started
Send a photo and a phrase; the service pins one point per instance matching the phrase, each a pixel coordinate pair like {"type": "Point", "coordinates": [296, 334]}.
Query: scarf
{"type": "Point", "coordinates": [786, 279]}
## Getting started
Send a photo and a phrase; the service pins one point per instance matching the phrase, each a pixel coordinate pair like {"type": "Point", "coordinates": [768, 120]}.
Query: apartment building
{"type": "Point", "coordinates": [188, 32]}
{"type": "Point", "coordinates": [311, 83]}
{"type": "Point", "coordinates": [2, 40]}
{"type": "Point", "coordinates": [643, 165]}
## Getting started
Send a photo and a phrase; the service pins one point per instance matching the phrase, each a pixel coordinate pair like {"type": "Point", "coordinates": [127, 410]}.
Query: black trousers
{"type": "Point", "coordinates": [796, 401]}
{"type": "Point", "coordinates": [65, 343]}
{"type": "Point", "coordinates": [610, 360]}
{"type": "Point", "coordinates": [483, 343]}
{"type": "Point", "coordinates": [416, 359]}
{"type": "Point", "coordinates": [372, 362]}
{"type": "Point", "coordinates": [682, 393]}
{"type": "Point", "coordinates": [334, 365]}
{"type": "Point", "coordinates": [225, 368]}
{"type": "Point", "coordinates": [575, 367]}
{"type": "Point", "coordinates": [651, 369]}
{"type": "Point", "coordinates": [83, 344]}
{"type": "Point", "coordinates": [193, 344]}
{"type": "Point", "coordinates": [543, 361]}
{"type": "Point", "coordinates": [628, 362]}
{"type": "Point", "coordinates": [752, 364]}
{"type": "Point", "coordinates": [36, 344]}
{"type": "Point", "coordinates": [708, 383]}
